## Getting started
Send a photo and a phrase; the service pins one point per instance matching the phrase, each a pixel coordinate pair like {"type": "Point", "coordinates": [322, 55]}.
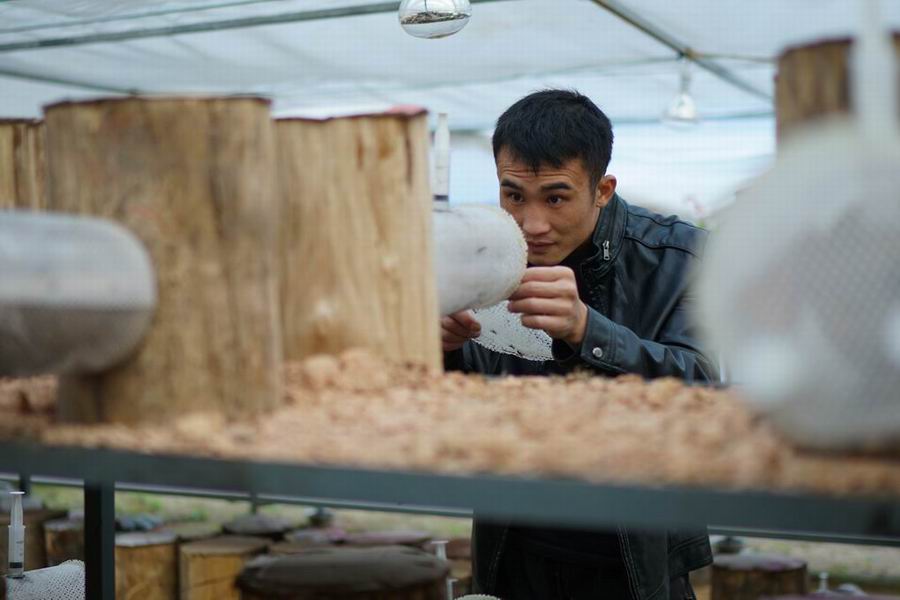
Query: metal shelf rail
{"type": "Point", "coordinates": [537, 500]}
{"type": "Point", "coordinates": [257, 500]}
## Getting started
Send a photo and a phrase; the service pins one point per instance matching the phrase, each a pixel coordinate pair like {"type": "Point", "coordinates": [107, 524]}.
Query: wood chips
{"type": "Point", "coordinates": [357, 411]}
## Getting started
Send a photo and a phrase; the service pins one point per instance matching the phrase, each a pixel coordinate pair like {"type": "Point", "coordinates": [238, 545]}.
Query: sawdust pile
{"type": "Point", "coordinates": [356, 410]}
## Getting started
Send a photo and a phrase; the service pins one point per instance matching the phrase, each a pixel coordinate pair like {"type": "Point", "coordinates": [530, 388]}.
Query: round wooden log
{"type": "Point", "coordinates": [208, 568]}
{"type": "Point", "coordinates": [316, 536]}
{"type": "Point", "coordinates": [22, 165]}
{"type": "Point", "coordinates": [146, 566]}
{"type": "Point", "coordinates": [193, 531]}
{"type": "Point", "coordinates": [378, 573]}
{"type": "Point", "coordinates": [64, 540]}
{"type": "Point", "coordinates": [195, 180]}
{"type": "Point", "coordinates": [283, 548]}
{"type": "Point", "coordinates": [813, 82]}
{"type": "Point", "coordinates": [355, 238]}
{"type": "Point", "coordinates": [749, 576]}
{"type": "Point", "coordinates": [260, 525]}
{"type": "Point", "coordinates": [415, 539]}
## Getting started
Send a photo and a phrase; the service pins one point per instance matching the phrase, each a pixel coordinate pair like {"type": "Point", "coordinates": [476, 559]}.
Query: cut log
{"type": "Point", "coordinates": [35, 554]}
{"type": "Point", "coordinates": [209, 568]}
{"type": "Point", "coordinates": [813, 82]}
{"type": "Point", "coordinates": [192, 531]}
{"type": "Point", "coordinates": [461, 571]}
{"type": "Point", "coordinates": [395, 572]}
{"type": "Point", "coordinates": [22, 165]}
{"type": "Point", "coordinates": [64, 540]}
{"type": "Point", "coordinates": [415, 539]}
{"type": "Point", "coordinates": [750, 576]}
{"type": "Point", "coordinates": [195, 180]}
{"type": "Point", "coordinates": [355, 238]}
{"type": "Point", "coordinates": [316, 536]}
{"type": "Point", "coordinates": [260, 525]}
{"type": "Point", "coordinates": [146, 566]}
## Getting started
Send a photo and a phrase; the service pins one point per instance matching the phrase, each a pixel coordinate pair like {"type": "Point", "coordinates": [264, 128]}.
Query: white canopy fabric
{"type": "Point", "coordinates": [55, 49]}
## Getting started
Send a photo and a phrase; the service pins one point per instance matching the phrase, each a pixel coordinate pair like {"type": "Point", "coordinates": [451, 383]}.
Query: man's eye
{"type": "Point", "coordinates": [514, 197]}
{"type": "Point", "coordinates": [554, 200]}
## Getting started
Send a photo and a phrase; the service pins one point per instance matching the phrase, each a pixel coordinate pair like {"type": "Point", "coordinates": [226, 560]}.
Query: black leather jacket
{"type": "Point", "coordinates": [638, 322]}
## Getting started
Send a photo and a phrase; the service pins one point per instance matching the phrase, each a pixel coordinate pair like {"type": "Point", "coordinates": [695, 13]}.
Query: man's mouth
{"type": "Point", "coordinates": [538, 246]}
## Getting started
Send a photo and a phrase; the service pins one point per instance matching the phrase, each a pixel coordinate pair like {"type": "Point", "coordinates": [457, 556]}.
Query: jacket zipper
{"type": "Point", "coordinates": [606, 250]}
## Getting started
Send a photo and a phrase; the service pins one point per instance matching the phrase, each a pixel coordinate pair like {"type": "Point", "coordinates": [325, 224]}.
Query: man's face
{"type": "Point", "coordinates": [556, 208]}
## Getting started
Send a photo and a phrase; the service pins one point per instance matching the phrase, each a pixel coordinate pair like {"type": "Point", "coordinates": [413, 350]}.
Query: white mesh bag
{"type": "Point", "coordinates": [801, 286]}
{"type": "Point", "coordinates": [62, 582]}
{"type": "Point", "coordinates": [502, 331]}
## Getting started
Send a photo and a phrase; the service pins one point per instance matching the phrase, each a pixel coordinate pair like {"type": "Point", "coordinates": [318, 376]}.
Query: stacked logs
{"type": "Point", "coordinates": [269, 241]}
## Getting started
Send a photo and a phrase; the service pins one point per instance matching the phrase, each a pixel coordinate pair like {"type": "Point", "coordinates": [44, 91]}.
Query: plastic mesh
{"type": "Point", "coordinates": [802, 291]}
{"type": "Point", "coordinates": [502, 331]}
{"type": "Point", "coordinates": [62, 582]}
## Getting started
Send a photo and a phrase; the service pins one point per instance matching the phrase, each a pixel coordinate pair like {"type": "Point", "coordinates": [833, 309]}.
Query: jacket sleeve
{"type": "Point", "coordinates": [611, 348]}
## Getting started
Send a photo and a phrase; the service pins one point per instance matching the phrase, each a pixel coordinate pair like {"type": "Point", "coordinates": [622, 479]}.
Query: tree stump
{"type": "Point", "coordinates": [22, 165]}
{"type": "Point", "coordinates": [813, 82]}
{"type": "Point", "coordinates": [355, 238]}
{"type": "Point", "coordinates": [260, 525]}
{"type": "Point", "coordinates": [395, 572]}
{"type": "Point", "coordinates": [412, 538]}
{"type": "Point", "coordinates": [64, 540]}
{"type": "Point", "coordinates": [749, 576]}
{"type": "Point", "coordinates": [209, 568]}
{"type": "Point", "coordinates": [146, 566]}
{"type": "Point", "coordinates": [193, 531]}
{"type": "Point", "coordinates": [35, 554]}
{"type": "Point", "coordinates": [195, 180]}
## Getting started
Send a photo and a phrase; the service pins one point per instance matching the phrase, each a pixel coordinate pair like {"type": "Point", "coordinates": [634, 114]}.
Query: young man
{"type": "Point", "coordinates": [609, 283]}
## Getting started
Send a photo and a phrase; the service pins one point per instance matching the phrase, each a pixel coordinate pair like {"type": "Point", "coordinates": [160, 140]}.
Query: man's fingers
{"type": "Point", "coordinates": [550, 324]}
{"type": "Point", "coordinates": [541, 306]}
{"type": "Point", "coordinates": [539, 289]}
{"type": "Point", "coordinates": [467, 320]}
{"type": "Point", "coordinates": [547, 274]}
{"type": "Point", "coordinates": [449, 325]}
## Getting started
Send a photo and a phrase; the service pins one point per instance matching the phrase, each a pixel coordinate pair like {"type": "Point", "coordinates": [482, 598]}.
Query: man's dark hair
{"type": "Point", "coordinates": [553, 126]}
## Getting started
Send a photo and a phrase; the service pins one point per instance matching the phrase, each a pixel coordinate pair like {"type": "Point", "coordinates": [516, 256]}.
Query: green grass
{"type": "Point", "coordinates": [181, 508]}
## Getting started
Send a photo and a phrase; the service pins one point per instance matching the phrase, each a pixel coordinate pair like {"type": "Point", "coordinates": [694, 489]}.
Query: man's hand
{"type": "Point", "coordinates": [457, 328]}
{"type": "Point", "coordinates": [548, 299]}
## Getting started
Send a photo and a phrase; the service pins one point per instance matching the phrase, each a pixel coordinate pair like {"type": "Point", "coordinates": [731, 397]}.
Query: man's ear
{"type": "Point", "coordinates": [605, 190]}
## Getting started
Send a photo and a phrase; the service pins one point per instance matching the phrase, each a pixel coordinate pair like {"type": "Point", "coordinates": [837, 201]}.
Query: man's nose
{"type": "Point", "coordinates": [534, 222]}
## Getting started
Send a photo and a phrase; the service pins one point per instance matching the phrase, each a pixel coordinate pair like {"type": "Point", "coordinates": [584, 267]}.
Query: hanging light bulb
{"type": "Point", "coordinates": [434, 18]}
{"type": "Point", "coordinates": [682, 110]}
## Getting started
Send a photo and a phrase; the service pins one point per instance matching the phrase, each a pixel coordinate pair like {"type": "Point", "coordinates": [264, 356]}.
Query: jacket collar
{"type": "Point", "coordinates": [608, 234]}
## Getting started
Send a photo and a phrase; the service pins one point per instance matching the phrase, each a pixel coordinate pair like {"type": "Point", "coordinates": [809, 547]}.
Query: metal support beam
{"type": "Point", "coordinates": [116, 18]}
{"type": "Point", "coordinates": [638, 22]}
{"type": "Point", "coordinates": [238, 23]}
{"type": "Point", "coordinates": [100, 541]}
{"type": "Point", "coordinates": [25, 483]}
{"type": "Point", "coordinates": [96, 87]}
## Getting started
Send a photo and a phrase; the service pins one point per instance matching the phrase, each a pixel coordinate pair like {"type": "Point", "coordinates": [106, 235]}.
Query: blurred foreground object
{"type": "Point", "coordinates": [801, 287]}
{"type": "Point", "coordinates": [194, 178]}
{"type": "Point", "coordinates": [76, 296]}
{"type": "Point", "coordinates": [479, 256]}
